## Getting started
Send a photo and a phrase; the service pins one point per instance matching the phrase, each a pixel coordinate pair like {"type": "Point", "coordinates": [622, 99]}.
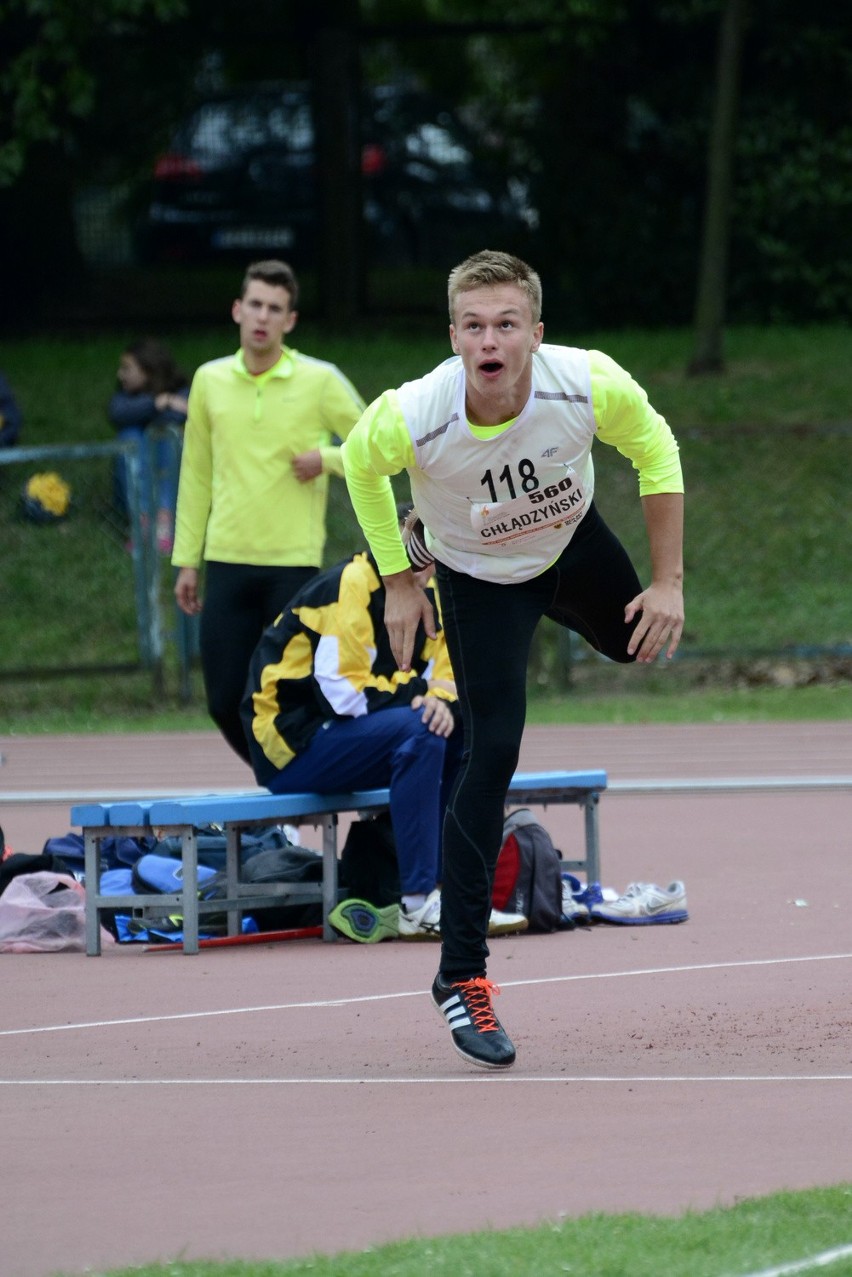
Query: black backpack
{"type": "Point", "coordinates": [368, 865]}
{"type": "Point", "coordinates": [528, 875]}
{"type": "Point", "coordinates": [274, 864]}
{"type": "Point", "coordinates": [278, 864]}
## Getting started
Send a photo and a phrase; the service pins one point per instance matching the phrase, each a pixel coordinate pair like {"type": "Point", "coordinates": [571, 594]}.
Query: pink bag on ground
{"type": "Point", "coordinates": [44, 913]}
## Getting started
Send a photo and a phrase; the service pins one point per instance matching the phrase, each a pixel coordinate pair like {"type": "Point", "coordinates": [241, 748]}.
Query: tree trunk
{"type": "Point", "coordinates": [713, 271]}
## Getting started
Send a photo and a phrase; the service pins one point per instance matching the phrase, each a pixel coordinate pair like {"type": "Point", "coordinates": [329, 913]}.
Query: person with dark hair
{"type": "Point", "coordinates": [327, 710]}
{"type": "Point", "coordinates": [152, 391]}
{"type": "Point", "coordinates": [262, 437]}
{"type": "Point", "coordinates": [497, 444]}
{"type": "Point", "coordinates": [11, 418]}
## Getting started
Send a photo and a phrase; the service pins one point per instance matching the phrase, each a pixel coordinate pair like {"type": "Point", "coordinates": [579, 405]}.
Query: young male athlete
{"type": "Point", "coordinates": [261, 439]}
{"type": "Point", "coordinates": [497, 444]}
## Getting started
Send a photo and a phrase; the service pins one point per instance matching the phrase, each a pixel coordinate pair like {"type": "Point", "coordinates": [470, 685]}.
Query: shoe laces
{"type": "Point", "coordinates": [477, 995]}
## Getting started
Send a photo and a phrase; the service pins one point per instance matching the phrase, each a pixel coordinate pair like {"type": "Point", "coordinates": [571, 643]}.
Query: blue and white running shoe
{"type": "Point", "coordinates": [578, 898]}
{"type": "Point", "coordinates": [643, 903]}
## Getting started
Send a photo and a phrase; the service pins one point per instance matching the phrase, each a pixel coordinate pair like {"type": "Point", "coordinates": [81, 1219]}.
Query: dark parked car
{"type": "Point", "coordinates": [240, 178]}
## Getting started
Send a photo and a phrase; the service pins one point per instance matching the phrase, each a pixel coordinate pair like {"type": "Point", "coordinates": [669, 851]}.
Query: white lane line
{"type": "Point", "coordinates": [822, 1260]}
{"type": "Point", "coordinates": [492, 1079]}
{"type": "Point", "coordinates": [419, 993]}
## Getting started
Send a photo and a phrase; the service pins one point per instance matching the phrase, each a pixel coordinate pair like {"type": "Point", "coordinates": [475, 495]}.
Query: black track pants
{"type": "Point", "coordinates": [489, 629]}
{"type": "Point", "coordinates": [240, 600]}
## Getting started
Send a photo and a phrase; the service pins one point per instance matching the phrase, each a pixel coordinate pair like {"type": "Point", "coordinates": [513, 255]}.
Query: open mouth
{"type": "Point", "coordinates": [491, 366]}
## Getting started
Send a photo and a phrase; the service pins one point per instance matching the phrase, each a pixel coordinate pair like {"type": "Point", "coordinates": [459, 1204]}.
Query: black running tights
{"type": "Point", "coordinates": [489, 629]}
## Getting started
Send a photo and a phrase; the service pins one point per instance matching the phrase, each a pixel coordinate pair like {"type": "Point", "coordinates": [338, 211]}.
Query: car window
{"type": "Point", "coordinates": [219, 130]}
{"type": "Point", "coordinates": [206, 133]}
{"type": "Point", "coordinates": [292, 124]}
{"type": "Point", "coordinates": [436, 144]}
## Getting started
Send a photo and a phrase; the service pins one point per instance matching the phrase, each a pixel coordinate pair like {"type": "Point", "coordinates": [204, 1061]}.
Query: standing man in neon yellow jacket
{"type": "Point", "coordinates": [262, 437]}
{"type": "Point", "coordinates": [497, 444]}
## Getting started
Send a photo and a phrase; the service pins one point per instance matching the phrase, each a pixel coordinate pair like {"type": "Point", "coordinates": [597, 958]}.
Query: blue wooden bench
{"type": "Point", "coordinates": [237, 812]}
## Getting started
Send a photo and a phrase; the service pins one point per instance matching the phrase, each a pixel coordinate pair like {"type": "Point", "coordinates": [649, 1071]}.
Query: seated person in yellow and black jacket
{"type": "Point", "coordinates": [327, 710]}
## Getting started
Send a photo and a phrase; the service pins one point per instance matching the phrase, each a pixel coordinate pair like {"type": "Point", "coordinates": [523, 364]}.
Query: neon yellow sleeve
{"type": "Point", "coordinates": [626, 420]}
{"type": "Point", "coordinates": [342, 406]}
{"type": "Point", "coordinates": [378, 447]}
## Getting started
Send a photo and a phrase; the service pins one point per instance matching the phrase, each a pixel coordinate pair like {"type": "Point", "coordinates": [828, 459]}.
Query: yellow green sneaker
{"type": "Point", "coordinates": [359, 920]}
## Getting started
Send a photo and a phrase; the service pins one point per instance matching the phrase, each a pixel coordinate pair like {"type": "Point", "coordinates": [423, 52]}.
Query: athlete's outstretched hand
{"type": "Point", "coordinates": [406, 605]}
{"type": "Point", "coordinates": [660, 622]}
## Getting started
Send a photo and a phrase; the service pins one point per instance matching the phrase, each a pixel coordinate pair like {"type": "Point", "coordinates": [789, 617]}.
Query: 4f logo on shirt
{"type": "Point", "coordinates": [550, 452]}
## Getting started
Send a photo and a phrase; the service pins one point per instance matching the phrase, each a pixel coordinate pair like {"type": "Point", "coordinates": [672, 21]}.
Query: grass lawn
{"type": "Point", "coordinates": [783, 1229]}
{"type": "Point", "coordinates": [765, 447]}
{"type": "Point", "coordinates": [672, 694]}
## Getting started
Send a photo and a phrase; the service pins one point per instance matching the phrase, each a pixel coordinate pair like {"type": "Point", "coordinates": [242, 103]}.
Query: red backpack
{"type": "Point", "coordinates": [528, 875]}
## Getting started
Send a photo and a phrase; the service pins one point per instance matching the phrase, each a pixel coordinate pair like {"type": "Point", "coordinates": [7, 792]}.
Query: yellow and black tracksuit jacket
{"type": "Point", "coordinates": [327, 656]}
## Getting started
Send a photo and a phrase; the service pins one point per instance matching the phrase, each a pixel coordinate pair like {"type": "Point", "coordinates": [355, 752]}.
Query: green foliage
{"type": "Point", "coordinates": [793, 171]}
{"type": "Point", "coordinates": [48, 79]}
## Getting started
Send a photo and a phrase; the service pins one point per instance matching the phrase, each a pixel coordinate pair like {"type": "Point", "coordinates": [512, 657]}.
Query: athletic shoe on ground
{"type": "Point", "coordinates": [361, 921]}
{"type": "Point", "coordinates": [477, 1034]}
{"type": "Point", "coordinates": [574, 908]}
{"type": "Point", "coordinates": [645, 902]}
{"type": "Point", "coordinates": [503, 924]}
{"type": "Point", "coordinates": [578, 898]}
{"type": "Point", "coordinates": [423, 923]}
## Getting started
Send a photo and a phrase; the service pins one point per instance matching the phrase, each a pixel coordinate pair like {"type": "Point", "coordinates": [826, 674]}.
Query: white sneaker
{"type": "Point", "coordinates": [645, 902]}
{"type": "Point", "coordinates": [502, 924]}
{"type": "Point", "coordinates": [423, 923]}
{"type": "Point", "coordinates": [574, 907]}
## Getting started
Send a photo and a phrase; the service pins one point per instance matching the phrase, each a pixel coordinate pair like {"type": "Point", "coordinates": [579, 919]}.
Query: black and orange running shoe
{"type": "Point", "coordinates": [477, 1034]}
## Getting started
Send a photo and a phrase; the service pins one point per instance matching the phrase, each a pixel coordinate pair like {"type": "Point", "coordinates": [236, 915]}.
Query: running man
{"type": "Point", "coordinates": [497, 445]}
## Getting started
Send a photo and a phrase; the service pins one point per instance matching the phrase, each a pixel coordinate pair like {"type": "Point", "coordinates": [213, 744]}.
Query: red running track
{"type": "Point", "coordinates": [275, 1100]}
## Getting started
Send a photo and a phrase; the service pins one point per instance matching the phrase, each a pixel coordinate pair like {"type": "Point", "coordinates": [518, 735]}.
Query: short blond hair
{"type": "Point", "coordinates": [489, 268]}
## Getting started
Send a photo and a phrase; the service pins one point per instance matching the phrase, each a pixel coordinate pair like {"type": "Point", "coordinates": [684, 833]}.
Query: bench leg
{"type": "Point", "coordinates": [233, 843]}
{"type": "Point", "coordinates": [189, 854]}
{"type": "Point", "coordinates": [593, 851]}
{"type": "Point", "coordinates": [329, 873]}
{"type": "Point", "coordinates": [92, 852]}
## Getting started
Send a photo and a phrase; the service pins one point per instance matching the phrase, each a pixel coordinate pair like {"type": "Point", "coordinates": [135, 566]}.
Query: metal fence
{"type": "Point", "coordinates": [84, 586]}
{"type": "Point", "coordinates": [91, 591]}
{"type": "Point", "coordinates": [767, 562]}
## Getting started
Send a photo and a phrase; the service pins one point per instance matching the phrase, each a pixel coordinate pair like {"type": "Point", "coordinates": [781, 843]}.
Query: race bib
{"type": "Point", "coordinates": [531, 514]}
